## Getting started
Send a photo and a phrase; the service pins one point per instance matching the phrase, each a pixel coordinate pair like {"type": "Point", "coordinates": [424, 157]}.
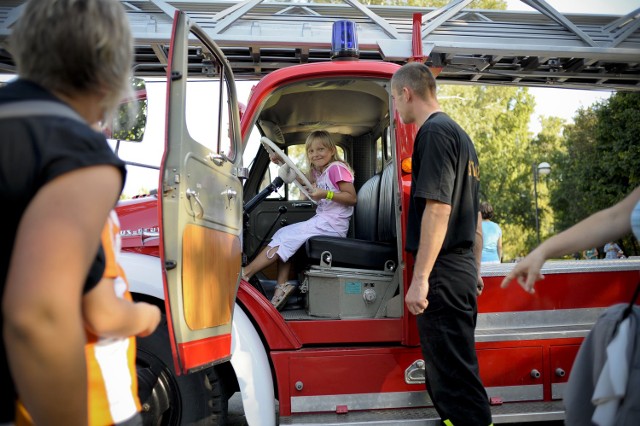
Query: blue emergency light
{"type": "Point", "coordinates": [344, 42]}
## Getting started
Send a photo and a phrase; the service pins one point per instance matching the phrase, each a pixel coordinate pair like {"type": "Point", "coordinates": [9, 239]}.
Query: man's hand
{"type": "Point", "coordinates": [526, 272]}
{"type": "Point", "coordinates": [416, 298]}
{"type": "Point", "coordinates": [479, 285]}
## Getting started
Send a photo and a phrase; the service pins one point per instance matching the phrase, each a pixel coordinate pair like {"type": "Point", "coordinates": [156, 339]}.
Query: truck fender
{"type": "Point", "coordinates": [248, 356]}
{"type": "Point", "coordinates": [251, 365]}
{"type": "Point", "coordinates": [144, 273]}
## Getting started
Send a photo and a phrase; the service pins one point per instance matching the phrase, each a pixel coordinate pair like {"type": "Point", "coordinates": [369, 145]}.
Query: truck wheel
{"type": "Point", "coordinates": [166, 399]}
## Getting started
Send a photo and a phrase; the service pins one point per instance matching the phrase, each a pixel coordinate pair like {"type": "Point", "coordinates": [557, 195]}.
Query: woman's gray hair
{"type": "Point", "coordinates": [75, 46]}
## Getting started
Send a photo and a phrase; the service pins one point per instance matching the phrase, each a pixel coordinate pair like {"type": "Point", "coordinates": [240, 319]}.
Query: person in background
{"type": "Point", "coordinates": [333, 189]}
{"type": "Point", "coordinates": [444, 234]}
{"type": "Point", "coordinates": [591, 253]}
{"type": "Point", "coordinates": [606, 225]}
{"type": "Point", "coordinates": [491, 236]}
{"type": "Point", "coordinates": [59, 179]}
{"type": "Point", "coordinates": [613, 251]}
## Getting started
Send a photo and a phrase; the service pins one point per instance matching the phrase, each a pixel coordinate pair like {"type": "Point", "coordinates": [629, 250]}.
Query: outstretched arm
{"type": "Point", "coordinates": [108, 315]}
{"type": "Point", "coordinates": [599, 228]}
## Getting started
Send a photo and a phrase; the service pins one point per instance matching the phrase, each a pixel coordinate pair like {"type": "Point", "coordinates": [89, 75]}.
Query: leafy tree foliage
{"type": "Point", "coordinates": [131, 118]}
{"type": "Point", "coordinates": [601, 164]}
{"type": "Point", "coordinates": [497, 120]}
{"type": "Point", "coordinates": [546, 146]}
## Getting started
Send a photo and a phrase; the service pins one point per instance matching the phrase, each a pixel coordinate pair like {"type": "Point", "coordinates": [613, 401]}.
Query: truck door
{"type": "Point", "coordinates": [201, 202]}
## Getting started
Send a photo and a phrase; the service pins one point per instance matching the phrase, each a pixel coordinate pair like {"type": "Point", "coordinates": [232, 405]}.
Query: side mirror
{"type": "Point", "coordinates": [130, 120]}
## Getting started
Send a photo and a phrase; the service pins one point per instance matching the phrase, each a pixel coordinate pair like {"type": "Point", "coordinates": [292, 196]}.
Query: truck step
{"type": "Point", "coordinates": [520, 412]}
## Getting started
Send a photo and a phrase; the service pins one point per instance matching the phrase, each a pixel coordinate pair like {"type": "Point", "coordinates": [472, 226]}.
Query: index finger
{"type": "Point", "coordinates": [507, 279]}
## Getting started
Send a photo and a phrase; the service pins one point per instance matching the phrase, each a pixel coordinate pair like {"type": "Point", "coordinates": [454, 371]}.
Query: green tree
{"type": "Point", "coordinates": [570, 197]}
{"type": "Point", "coordinates": [497, 120]}
{"type": "Point", "coordinates": [131, 118]}
{"type": "Point", "coordinates": [601, 164]}
{"type": "Point", "coordinates": [546, 146]}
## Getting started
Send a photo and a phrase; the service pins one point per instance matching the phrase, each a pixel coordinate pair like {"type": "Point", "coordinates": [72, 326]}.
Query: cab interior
{"type": "Point", "coordinates": [334, 274]}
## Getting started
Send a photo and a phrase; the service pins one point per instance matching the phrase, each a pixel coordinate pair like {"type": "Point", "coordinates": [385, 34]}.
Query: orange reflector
{"type": "Point", "coordinates": [406, 165]}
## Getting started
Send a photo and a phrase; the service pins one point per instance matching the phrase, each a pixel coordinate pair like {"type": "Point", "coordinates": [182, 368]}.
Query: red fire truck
{"type": "Point", "coordinates": [344, 350]}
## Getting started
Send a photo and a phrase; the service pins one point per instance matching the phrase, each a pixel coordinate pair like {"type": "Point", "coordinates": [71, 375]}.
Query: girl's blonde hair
{"type": "Point", "coordinates": [74, 47]}
{"type": "Point", "coordinates": [325, 139]}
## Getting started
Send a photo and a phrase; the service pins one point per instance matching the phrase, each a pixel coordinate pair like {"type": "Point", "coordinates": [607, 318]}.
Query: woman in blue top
{"type": "Point", "coordinates": [599, 228]}
{"type": "Point", "coordinates": [491, 236]}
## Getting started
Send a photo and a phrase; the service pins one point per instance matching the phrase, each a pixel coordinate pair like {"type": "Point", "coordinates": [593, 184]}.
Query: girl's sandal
{"type": "Point", "coordinates": [282, 293]}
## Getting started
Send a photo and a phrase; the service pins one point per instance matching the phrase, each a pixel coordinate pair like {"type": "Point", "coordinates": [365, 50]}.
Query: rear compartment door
{"type": "Point", "coordinates": [201, 202]}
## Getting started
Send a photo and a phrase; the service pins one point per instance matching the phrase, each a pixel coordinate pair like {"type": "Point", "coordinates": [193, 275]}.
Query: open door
{"type": "Point", "coordinates": [200, 205]}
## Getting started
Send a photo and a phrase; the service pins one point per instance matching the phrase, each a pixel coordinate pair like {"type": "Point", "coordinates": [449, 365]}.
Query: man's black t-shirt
{"type": "Point", "coordinates": [445, 168]}
{"type": "Point", "coordinates": [33, 152]}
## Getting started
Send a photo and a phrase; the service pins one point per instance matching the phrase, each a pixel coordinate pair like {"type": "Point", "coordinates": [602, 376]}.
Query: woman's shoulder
{"type": "Point", "coordinates": [492, 226]}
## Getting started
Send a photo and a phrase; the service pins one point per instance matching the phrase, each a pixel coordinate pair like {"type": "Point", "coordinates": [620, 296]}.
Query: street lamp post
{"type": "Point", "coordinates": [543, 168]}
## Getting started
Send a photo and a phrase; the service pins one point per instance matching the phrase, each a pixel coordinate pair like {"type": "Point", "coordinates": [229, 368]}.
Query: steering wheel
{"type": "Point", "coordinates": [272, 148]}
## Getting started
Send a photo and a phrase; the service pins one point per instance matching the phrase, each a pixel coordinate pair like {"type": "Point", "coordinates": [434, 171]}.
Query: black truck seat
{"type": "Point", "coordinates": [374, 230]}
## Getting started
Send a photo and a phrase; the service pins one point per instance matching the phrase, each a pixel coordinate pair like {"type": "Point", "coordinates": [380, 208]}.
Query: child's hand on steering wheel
{"type": "Point", "coordinates": [317, 194]}
{"type": "Point", "coordinates": [276, 159]}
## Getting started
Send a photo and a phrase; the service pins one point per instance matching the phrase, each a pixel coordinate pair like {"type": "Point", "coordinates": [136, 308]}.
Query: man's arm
{"type": "Point", "coordinates": [477, 245]}
{"type": "Point", "coordinates": [433, 229]}
{"type": "Point", "coordinates": [477, 251]}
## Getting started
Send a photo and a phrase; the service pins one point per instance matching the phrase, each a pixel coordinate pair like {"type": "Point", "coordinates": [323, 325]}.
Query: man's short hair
{"type": "Point", "coordinates": [416, 76]}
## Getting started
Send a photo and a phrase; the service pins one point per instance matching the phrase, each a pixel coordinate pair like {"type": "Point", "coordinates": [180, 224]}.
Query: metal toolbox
{"type": "Point", "coordinates": [347, 293]}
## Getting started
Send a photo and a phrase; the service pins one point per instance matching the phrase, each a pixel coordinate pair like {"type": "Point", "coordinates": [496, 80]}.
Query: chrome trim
{"type": "Point", "coordinates": [514, 413]}
{"type": "Point", "coordinates": [517, 393]}
{"type": "Point", "coordinates": [568, 267]}
{"type": "Point", "coordinates": [414, 374]}
{"type": "Point", "coordinates": [386, 400]}
{"type": "Point", "coordinates": [360, 401]}
{"type": "Point", "coordinates": [530, 325]}
{"type": "Point", "coordinates": [557, 390]}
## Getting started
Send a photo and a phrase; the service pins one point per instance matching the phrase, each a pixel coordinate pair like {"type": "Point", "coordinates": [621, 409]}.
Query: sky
{"type": "Point", "coordinates": [615, 7]}
{"type": "Point", "coordinates": [565, 102]}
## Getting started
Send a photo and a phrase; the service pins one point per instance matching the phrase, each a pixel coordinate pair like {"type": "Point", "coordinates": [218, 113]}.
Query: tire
{"type": "Point", "coordinates": [193, 399]}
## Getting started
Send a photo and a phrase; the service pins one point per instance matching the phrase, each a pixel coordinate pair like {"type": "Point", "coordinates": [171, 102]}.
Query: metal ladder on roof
{"type": "Point", "coordinates": [541, 47]}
